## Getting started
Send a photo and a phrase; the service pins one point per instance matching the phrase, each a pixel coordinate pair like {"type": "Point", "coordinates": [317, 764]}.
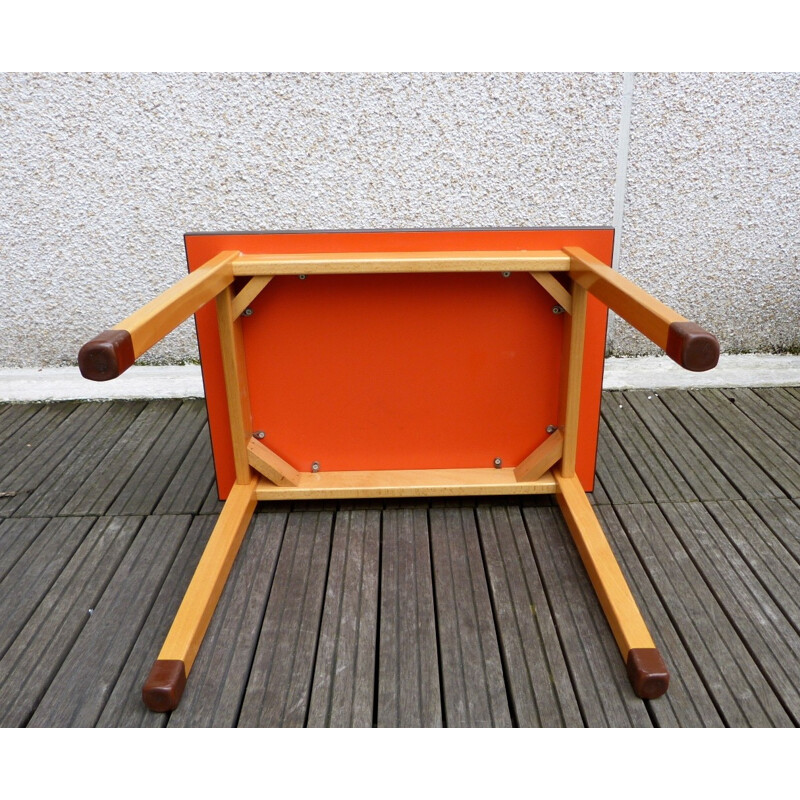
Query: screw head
{"type": "Point", "coordinates": [506, 274]}
{"type": "Point", "coordinates": [302, 277]}
{"type": "Point", "coordinates": [259, 434]}
{"type": "Point", "coordinates": [315, 466]}
{"type": "Point", "coordinates": [551, 428]}
{"type": "Point", "coordinates": [248, 312]}
{"type": "Point", "coordinates": [558, 309]}
{"type": "Point", "coordinates": [498, 462]}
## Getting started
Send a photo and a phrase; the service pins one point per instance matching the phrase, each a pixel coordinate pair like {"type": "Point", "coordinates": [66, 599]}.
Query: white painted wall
{"type": "Point", "coordinates": [712, 206]}
{"type": "Point", "coordinates": [100, 176]}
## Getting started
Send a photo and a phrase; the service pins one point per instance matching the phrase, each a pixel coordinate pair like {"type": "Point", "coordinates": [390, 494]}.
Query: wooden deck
{"type": "Point", "coordinates": [403, 613]}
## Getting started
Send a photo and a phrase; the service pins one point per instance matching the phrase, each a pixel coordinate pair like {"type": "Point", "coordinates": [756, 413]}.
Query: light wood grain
{"type": "Point", "coordinates": [622, 613]}
{"type": "Point", "coordinates": [572, 379]}
{"type": "Point", "coordinates": [154, 321]}
{"type": "Point", "coordinates": [623, 297]}
{"type": "Point", "coordinates": [541, 459]}
{"type": "Point", "coordinates": [187, 631]}
{"type": "Point", "coordinates": [271, 465]}
{"type": "Point", "coordinates": [551, 285]}
{"type": "Point", "coordinates": [405, 483]}
{"type": "Point", "coordinates": [248, 293]}
{"type": "Point", "coordinates": [356, 263]}
{"type": "Point", "coordinates": [236, 386]}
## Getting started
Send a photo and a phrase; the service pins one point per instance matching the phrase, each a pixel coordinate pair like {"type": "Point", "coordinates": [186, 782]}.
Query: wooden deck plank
{"type": "Point", "coordinates": [769, 636]}
{"type": "Point", "coordinates": [773, 443]}
{"type": "Point", "coordinates": [129, 448]}
{"type": "Point", "coordinates": [13, 415]}
{"type": "Point", "coordinates": [82, 686]}
{"type": "Point", "coordinates": [782, 401]}
{"type": "Point", "coordinates": [615, 473]}
{"type": "Point", "coordinates": [4, 408]}
{"type": "Point", "coordinates": [58, 451]}
{"type": "Point", "coordinates": [649, 410]}
{"type": "Point", "coordinates": [741, 694]}
{"type": "Point", "coordinates": [783, 520]}
{"type": "Point", "coordinates": [773, 558]}
{"type": "Point", "coordinates": [194, 480]}
{"type": "Point", "coordinates": [598, 674]}
{"type": "Point", "coordinates": [717, 581]}
{"type": "Point", "coordinates": [61, 465]}
{"type": "Point", "coordinates": [16, 536]}
{"type": "Point", "coordinates": [409, 694]}
{"type": "Point", "coordinates": [24, 426]}
{"type": "Point", "coordinates": [34, 657]}
{"type": "Point", "coordinates": [687, 703]}
{"type": "Point", "coordinates": [539, 686]}
{"type": "Point", "coordinates": [773, 412]}
{"type": "Point", "coordinates": [279, 687]}
{"type": "Point", "coordinates": [648, 459]}
{"type": "Point", "coordinates": [344, 673]}
{"type": "Point", "coordinates": [214, 692]}
{"type": "Point", "coordinates": [167, 456]}
{"type": "Point", "coordinates": [720, 446]}
{"type": "Point", "coordinates": [599, 495]}
{"type": "Point", "coordinates": [28, 581]}
{"type": "Point", "coordinates": [211, 502]}
{"type": "Point", "coordinates": [473, 686]}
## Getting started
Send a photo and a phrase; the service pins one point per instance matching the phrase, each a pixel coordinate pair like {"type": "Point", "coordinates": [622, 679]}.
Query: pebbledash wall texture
{"type": "Point", "coordinates": [102, 174]}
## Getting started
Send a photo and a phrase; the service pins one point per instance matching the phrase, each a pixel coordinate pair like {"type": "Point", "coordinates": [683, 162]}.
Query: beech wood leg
{"type": "Point", "coordinates": [111, 352]}
{"type": "Point", "coordinates": [684, 342]}
{"type": "Point", "coordinates": [646, 669]}
{"type": "Point", "coordinates": [164, 686]}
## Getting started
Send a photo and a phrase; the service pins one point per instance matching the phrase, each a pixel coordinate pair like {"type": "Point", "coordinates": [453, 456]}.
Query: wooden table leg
{"type": "Point", "coordinates": [164, 686]}
{"type": "Point", "coordinates": [646, 669]}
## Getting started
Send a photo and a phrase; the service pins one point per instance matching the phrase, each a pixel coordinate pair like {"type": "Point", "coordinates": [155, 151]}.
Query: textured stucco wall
{"type": "Point", "coordinates": [712, 206]}
{"type": "Point", "coordinates": [100, 176]}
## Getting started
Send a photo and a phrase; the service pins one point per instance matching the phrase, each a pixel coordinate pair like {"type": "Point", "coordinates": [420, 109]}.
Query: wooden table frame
{"type": "Point", "coordinates": [570, 276]}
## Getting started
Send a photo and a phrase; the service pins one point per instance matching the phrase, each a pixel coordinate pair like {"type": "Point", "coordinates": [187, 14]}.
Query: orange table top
{"type": "Point", "coordinates": [408, 371]}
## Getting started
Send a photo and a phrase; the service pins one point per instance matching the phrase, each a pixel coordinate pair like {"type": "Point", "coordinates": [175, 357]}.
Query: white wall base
{"type": "Point", "coordinates": [649, 372]}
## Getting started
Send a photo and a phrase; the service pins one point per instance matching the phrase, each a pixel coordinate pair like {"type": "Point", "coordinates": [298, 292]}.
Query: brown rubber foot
{"type": "Point", "coordinates": [108, 355]}
{"type": "Point", "coordinates": [692, 347]}
{"type": "Point", "coordinates": [648, 672]}
{"type": "Point", "coordinates": [164, 686]}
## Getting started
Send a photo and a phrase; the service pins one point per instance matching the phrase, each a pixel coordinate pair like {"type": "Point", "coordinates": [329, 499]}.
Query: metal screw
{"type": "Point", "coordinates": [506, 274]}
{"type": "Point", "coordinates": [558, 309]}
{"type": "Point", "coordinates": [259, 434]}
{"type": "Point", "coordinates": [248, 312]}
{"type": "Point", "coordinates": [551, 428]}
{"type": "Point", "coordinates": [315, 466]}
{"type": "Point", "coordinates": [302, 277]}
{"type": "Point", "coordinates": [498, 462]}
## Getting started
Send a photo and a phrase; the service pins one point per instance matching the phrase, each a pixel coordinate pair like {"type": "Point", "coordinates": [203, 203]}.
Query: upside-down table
{"type": "Point", "coordinates": [378, 364]}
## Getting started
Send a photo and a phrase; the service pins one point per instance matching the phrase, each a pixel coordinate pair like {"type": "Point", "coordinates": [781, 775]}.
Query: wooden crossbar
{"type": "Point", "coordinates": [397, 263]}
{"type": "Point", "coordinates": [359, 485]}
